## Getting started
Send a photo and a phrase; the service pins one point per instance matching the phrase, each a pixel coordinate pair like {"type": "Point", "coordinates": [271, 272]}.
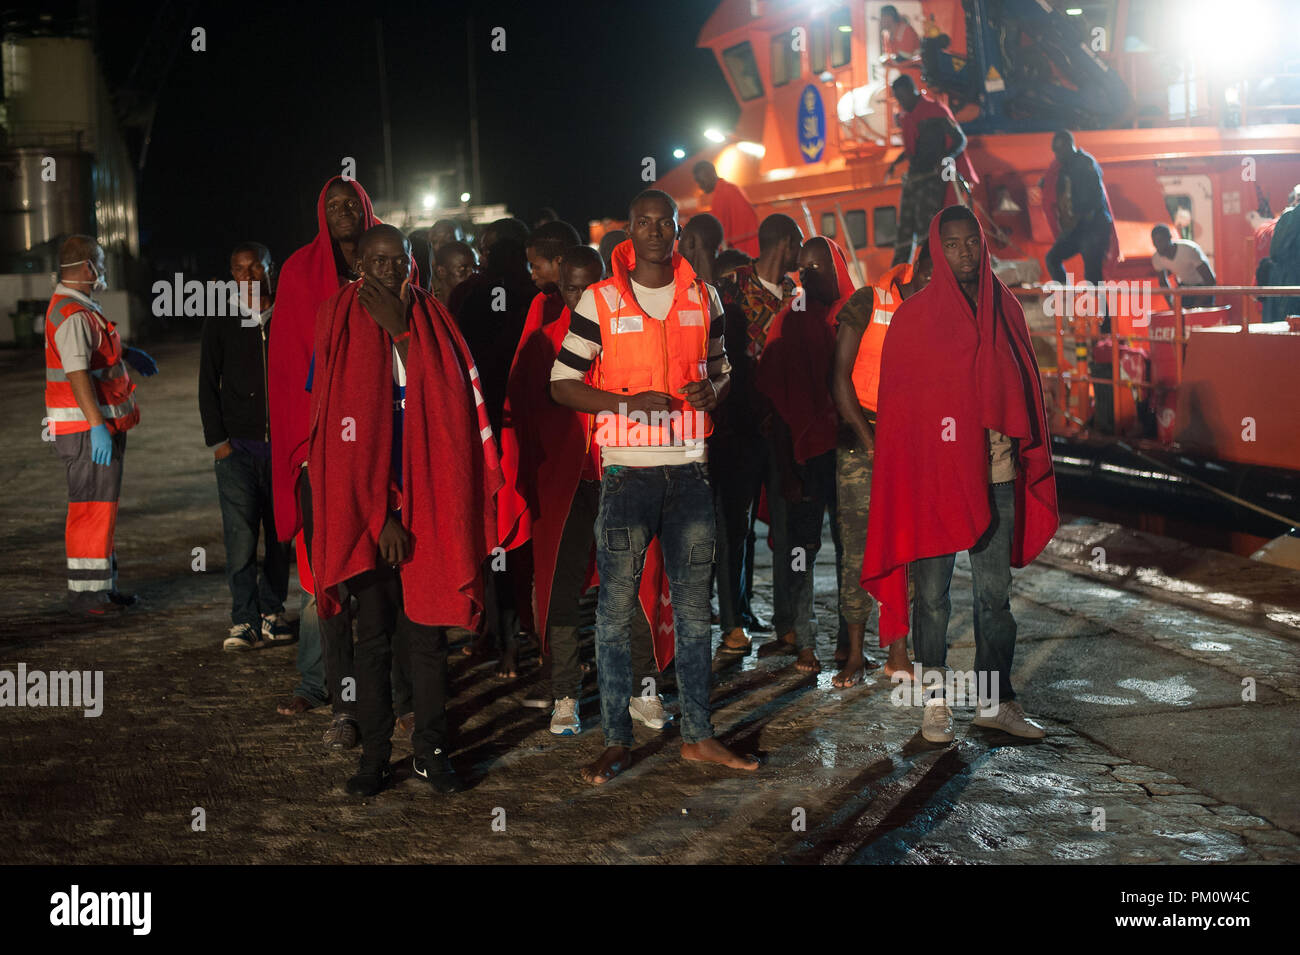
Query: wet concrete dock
{"type": "Point", "coordinates": [1167, 676]}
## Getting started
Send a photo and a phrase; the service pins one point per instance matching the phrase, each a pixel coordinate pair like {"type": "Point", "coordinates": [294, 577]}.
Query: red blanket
{"type": "Point", "coordinates": [450, 471]}
{"type": "Point", "coordinates": [794, 371]}
{"type": "Point", "coordinates": [739, 220]}
{"type": "Point", "coordinates": [543, 449]}
{"type": "Point", "coordinates": [307, 279]}
{"type": "Point", "coordinates": [948, 374]}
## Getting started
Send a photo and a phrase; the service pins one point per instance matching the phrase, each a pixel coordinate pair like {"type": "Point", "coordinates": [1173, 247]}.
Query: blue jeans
{"type": "Point", "coordinates": [995, 627]}
{"type": "Point", "coordinates": [244, 489]}
{"type": "Point", "coordinates": [311, 667]}
{"type": "Point", "coordinates": [674, 504]}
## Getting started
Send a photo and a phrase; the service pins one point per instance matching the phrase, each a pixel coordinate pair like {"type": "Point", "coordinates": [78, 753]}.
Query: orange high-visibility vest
{"type": "Point", "coordinates": [866, 368]}
{"type": "Point", "coordinates": [108, 377]}
{"type": "Point", "coordinates": [640, 353]}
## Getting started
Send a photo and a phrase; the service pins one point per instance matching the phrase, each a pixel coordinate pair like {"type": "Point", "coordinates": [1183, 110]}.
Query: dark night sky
{"type": "Point", "coordinates": [247, 132]}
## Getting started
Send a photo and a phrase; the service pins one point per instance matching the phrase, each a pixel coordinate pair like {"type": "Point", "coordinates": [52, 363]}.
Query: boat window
{"type": "Point", "coordinates": [884, 225]}
{"type": "Point", "coordinates": [841, 37]}
{"type": "Point", "coordinates": [817, 46]}
{"type": "Point", "coordinates": [1180, 214]}
{"type": "Point", "coordinates": [828, 224]}
{"type": "Point", "coordinates": [785, 58]}
{"type": "Point", "coordinates": [739, 61]}
{"type": "Point", "coordinates": [855, 221]}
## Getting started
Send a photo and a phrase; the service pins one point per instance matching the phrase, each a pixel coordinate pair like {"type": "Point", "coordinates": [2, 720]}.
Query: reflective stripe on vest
{"type": "Point", "coordinates": [866, 367]}
{"type": "Point", "coordinates": [109, 379]}
{"type": "Point", "coordinates": [640, 353]}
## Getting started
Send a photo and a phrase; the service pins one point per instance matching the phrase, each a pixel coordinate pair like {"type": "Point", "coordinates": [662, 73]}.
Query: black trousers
{"type": "Point", "coordinates": [385, 632]}
{"type": "Point", "coordinates": [336, 639]}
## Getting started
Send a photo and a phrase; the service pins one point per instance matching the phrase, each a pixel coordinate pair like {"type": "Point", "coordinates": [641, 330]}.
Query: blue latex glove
{"type": "Point", "coordinates": [101, 445]}
{"type": "Point", "coordinates": [140, 361]}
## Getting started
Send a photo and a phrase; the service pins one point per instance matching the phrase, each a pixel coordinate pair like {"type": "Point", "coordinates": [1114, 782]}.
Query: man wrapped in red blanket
{"type": "Point", "coordinates": [404, 474]}
{"type": "Point", "coordinates": [963, 462]}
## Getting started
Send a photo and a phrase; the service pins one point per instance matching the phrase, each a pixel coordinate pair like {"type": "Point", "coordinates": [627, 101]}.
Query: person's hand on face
{"type": "Point", "coordinates": [385, 291]}
{"type": "Point", "coordinates": [386, 308]}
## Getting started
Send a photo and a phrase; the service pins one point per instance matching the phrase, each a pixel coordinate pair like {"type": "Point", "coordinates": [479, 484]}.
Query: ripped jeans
{"type": "Point", "coordinates": [637, 504]}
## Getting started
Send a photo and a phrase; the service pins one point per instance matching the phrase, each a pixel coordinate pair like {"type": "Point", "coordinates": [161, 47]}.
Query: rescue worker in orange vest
{"type": "Point", "coordinates": [89, 407]}
{"type": "Point", "coordinates": [863, 322]}
{"type": "Point", "coordinates": [654, 334]}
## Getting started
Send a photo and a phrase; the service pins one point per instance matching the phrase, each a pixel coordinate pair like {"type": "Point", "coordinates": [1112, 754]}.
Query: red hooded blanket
{"type": "Point", "coordinates": [794, 371]}
{"type": "Point", "coordinates": [307, 279]}
{"type": "Point", "coordinates": [947, 375]}
{"type": "Point", "coordinates": [543, 450]}
{"type": "Point", "coordinates": [450, 471]}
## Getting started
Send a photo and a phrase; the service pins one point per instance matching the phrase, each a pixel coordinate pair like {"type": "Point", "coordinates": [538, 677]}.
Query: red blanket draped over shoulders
{"type": "Point", "coordinates": [947, 375]}
{"type": "Point", "coordinates": [450, 469]}
{"type": "Point", "coordinates": [307, 278]}
{"type": "Point", "coordinates": [794, 371]}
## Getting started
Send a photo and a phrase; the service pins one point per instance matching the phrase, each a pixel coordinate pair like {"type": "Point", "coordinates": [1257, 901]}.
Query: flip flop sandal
{"type": "Point", "coordinates": [726, 650]}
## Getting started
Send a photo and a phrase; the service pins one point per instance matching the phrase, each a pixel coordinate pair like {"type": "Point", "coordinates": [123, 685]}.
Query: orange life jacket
{"type": "Point", "coordinates": [108, 377]}
{"type": "Point", "coordinates": [866, 368]}
{"type": "Point", "coordinates": [640, 353]}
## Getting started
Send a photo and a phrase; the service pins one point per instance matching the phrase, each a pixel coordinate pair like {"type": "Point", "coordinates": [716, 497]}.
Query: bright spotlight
{"type": "Point", "coordinates": [713, 136]}
{"type": "Point", "coordinates": [464, 197]}
{"type": "Point", "coordinates": [429, 200]}
{"type": "Point", "coordinates": [679, 153]}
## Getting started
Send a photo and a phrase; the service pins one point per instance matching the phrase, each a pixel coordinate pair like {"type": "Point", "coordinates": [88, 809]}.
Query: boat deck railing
{"type": "Point", "coordinates": [1076, 336]}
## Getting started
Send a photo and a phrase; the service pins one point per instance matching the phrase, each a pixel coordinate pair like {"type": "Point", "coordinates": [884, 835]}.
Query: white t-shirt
{"type": "Point", "coordinates": [1186, 261]}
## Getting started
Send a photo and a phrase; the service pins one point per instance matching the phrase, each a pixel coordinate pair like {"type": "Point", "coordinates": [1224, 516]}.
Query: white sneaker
{"type": "Point", "coordinates": [936, 724]}
{"type": "Point", "coordinates": [564, 718]}
{"type": "Point", "coordinates": [648, 710]}
{"type": "Point", "coordinates": [1009, 718]}
{"type": "Point", "coordinates": [242, 637]}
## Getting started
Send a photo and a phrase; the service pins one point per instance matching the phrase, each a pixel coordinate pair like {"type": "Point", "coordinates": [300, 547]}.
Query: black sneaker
{"type": "Point", "coordinates": [370, 782]}
{"type": "Point", "coordinates": [437, 772]}
{"type": "Point", "coordinates": [123, 600]}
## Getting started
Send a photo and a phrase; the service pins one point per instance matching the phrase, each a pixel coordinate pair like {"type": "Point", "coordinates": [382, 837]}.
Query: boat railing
{"type": "Point", "coordinates": [1078, 333]}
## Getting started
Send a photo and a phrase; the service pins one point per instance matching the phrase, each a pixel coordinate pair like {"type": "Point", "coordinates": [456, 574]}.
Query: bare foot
{"type": "Point", "coordinates": [782, 644]}
{"type": "Point", "coordinates": [841, 657]}
{"type": "Point", "coordinates": [295, 706]}
{"type": "Point", "coordinates": [508, 665]}
{"type": "Point", "coordinates": [711, 751]}
{"type": "Point", "coordinates": [808, 662]}
{"type": "Point", "coordinates": [898, 661]}
{"type": "Point", "coordinates": [851, 675]}
{"type": "Point", "coordinates": [612, 761]}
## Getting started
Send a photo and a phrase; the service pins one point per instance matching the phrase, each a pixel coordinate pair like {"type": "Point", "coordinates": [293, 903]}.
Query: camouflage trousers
{"type": "Point", "coordinates": [853, 487]}
{"type": "Point", "coordinates": [922, 198]}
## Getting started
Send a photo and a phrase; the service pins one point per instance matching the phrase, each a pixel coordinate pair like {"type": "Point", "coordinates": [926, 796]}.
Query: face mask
{"type": "Point", "coordinates": [101, 279]}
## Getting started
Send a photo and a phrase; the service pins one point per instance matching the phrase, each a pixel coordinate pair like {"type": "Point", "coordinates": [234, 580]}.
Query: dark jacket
{"type": "Point", "coordinates": [232, 381]}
